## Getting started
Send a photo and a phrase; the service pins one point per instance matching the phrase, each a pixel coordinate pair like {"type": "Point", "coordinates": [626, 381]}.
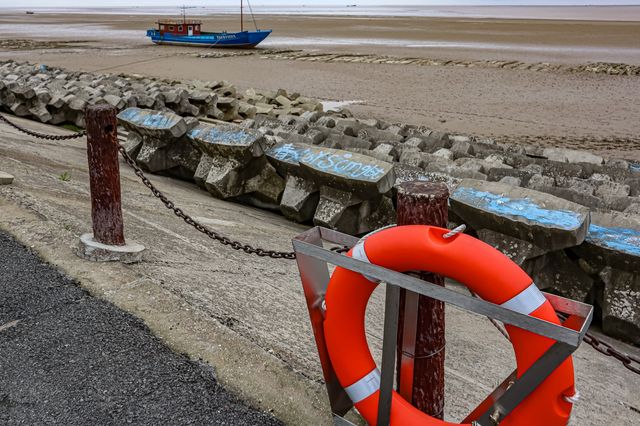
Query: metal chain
{"type": "Point", "coordinates": [340, 249]}
{"type": "Point", "coordinates": [42, 135]}
{"type": "Point", "coordinates": [497, 324]}
{"type": "Point", "coordinates": [189, 220]}
{"type": "Point", "coordinates": [168, 203]}
{"type": "Point", "coordinates": [604, 348]}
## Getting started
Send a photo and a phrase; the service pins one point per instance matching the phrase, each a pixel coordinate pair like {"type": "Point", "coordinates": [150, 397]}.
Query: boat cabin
{"type": "Point", "coordinates": [183, 27]}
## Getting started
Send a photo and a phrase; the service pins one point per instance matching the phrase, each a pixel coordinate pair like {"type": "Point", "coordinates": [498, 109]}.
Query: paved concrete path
{"type": "Point", "coordinates": [214, 303]}
{"type": "Point", "coordinates": [68, 358]}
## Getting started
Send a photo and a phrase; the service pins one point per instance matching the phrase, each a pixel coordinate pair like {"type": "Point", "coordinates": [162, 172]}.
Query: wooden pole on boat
{"type": "Point", "coordinates": [421, 338]}
{"type": "Point", "coordinates": [241, 16]}
{"type": "Point", "coordinates": [104, 174]}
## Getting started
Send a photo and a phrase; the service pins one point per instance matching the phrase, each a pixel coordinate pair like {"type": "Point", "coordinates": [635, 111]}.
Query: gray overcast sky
{"type": "Point", "coordinates": [93, 3]}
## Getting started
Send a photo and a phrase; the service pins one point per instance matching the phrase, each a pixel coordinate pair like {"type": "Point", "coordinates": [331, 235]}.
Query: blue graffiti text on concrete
{"type": "Point", "coordinates": [149, 120]}
{"type": "Point", "coordinates": [222, 136]}
{"type": "Point", "coordinates": [620, 239]}
{"type": "Point", "coordinates": [521, 207]}
{"type": "Point", "coordinates": [289, 153]}
{"type": "Point", "coordinates": [339, 163]}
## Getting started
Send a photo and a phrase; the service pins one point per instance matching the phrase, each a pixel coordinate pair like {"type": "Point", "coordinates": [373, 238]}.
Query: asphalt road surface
{"type": "Point", "coordinates": [68, 358]}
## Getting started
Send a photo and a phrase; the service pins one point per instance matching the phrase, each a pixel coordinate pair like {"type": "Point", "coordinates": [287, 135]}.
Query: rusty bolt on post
{"type": "Point", "coordinates": [421, 337]}
{"type": "Point", "coordinates": [107, 242]}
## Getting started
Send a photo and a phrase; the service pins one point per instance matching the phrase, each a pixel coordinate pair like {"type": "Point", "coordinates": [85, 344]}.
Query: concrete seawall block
{"type": "Point", "coordinates": [548, 222]}
{"type": "Point", "coordinates": [5, 178]}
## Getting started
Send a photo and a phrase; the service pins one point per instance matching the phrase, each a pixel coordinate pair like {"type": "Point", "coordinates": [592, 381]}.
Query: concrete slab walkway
{"type": "Point", "coordinates": [245, 315]}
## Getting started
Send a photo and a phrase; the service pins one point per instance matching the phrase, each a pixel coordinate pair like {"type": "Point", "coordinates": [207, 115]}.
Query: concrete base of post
{"type": "Point", "coordinates": [94, 251]}
{"type": "Point", "coordinates": [5, 178]}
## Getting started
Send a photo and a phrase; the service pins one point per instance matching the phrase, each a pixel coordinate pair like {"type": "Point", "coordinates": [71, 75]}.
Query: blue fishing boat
{"type": "Point", "coordinates": [188, 32]}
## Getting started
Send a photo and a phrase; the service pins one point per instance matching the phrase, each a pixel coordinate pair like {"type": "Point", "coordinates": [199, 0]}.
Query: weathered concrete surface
{"type": "Point", "coordinates": [299, 199]}
{"type": "Point", "coordinates": [165, 125]}
{"type": "Point", "coordinates": [156, 142]}
{"type": "Point", "coordinates": [200, 297]}
{"type": "Point", "coordinates": [612, 246]}
{"type": "Point", "coordinates": [556, 273]}
{"type": "Point", "coordinates": [337, 210]}
{"type": "Point", "coordinates": [246, 315]}
{"type": "Point", "coordinates": [230, 162]}
{"type": "Point", "coordinates": [352, 155]}
{"type": "Point", "coordinates": [571, 156]}
{"type": "Point", "coordinates": [56, 96]}
{"type": "Point", "coordinates": [266, 187]}
{"type": "Point", "coordinates": [227, 141]}
{"type": "Point", "coordinates": [621, 304]}
{"type": "Point", "coordinates": [224, 178]}
{"type": "Point", "coordinates": [286, 157]}
{"type": "Point", "coordinates": [516, 249]}
{"type": "Point", "coordinates": [360, 174]}
{"type": "Point", "coordinates": [224, 159]}
{"type": "Point", "coordinates": [5, 178]}
{"type": "Point", "coordinates": [405, 173]}
{"type": "Point", "coordinates": [544, 220]}
{"type": "Point", "coordinates": [613, 240]}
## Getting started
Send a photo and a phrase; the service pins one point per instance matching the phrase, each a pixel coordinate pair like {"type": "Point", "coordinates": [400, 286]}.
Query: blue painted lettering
{"type": "Point", "coordinates": [619, 239]}
{"type": "Point", "coordinates": [521, 207]}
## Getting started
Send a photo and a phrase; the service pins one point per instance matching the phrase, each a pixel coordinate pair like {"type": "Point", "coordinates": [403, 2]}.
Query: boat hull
{"type": "Point", "coordinates": [244, 39]}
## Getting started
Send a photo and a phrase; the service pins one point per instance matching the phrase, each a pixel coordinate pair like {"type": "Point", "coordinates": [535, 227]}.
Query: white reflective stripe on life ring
{"type": "Point", "coordinates": [359, 252]}
{"type": "Point", "coordinates": [527, 301]}
{"type": "Point", "coordinates": [365, 387]}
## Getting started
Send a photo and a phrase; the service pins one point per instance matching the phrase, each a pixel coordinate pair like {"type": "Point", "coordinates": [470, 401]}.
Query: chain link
{"type": "Point", "coordinates": [627, 360]}
{"type": "Point", "coordinates": [236, 245]}
{"type": "Point", "coordinates": [606, 349]}
{"type": "Point", "coordinates": [340, 249]}
{"type": "Point", "coordinates": [42, 135]}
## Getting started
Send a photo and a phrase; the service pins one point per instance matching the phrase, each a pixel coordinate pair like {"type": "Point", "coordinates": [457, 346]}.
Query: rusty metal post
{"type": "Point", "coordinates": [421, 338]}
{"type": "Point", "coordinates": [104, 174]}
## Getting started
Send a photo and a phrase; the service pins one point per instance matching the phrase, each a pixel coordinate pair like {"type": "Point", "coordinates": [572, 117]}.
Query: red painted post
{"type": "Point", "coordinates": [421, 338]}
{"type": "Point", "coordinates": [104, 174]}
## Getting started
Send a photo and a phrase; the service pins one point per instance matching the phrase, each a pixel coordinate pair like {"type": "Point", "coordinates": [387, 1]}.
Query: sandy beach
{"type": "Point", "coordinates": [541, 104]}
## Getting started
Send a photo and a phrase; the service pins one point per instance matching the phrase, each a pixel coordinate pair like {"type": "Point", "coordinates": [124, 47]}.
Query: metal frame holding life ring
{"type": "Point", "coordinates": [485, 271]}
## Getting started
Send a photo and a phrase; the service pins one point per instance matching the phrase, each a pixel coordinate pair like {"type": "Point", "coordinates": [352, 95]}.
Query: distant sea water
{"type": "Point", "coordinates": [616, 13]}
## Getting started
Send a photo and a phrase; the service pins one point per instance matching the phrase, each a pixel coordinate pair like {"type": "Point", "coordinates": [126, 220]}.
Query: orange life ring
{"type": "Point", "coordinates": [483, 269]}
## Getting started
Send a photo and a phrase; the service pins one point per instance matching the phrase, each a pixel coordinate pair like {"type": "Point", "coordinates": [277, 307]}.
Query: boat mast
{"type": "Point", "coordinates": [241, 16]}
